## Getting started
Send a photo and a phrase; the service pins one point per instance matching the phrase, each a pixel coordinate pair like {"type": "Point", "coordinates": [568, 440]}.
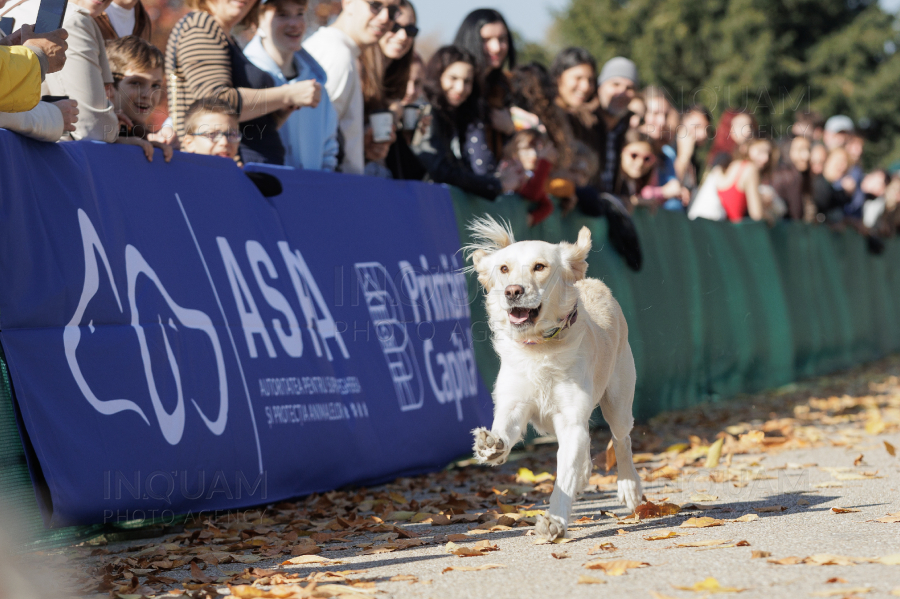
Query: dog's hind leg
{"type": "Point", "coordinates": [616, 405]}
{"type": "Point", "coordinates": [572, 465]}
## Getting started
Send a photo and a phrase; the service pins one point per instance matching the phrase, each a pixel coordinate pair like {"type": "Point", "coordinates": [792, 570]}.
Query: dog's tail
{"type": "Point", "coordinates": [488, 235]}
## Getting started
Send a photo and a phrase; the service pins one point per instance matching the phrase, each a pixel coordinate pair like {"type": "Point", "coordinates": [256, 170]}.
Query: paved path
{"type": "Point", "coordinates": [795, 451]}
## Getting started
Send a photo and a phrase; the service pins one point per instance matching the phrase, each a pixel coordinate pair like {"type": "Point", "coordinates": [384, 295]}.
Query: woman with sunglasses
{"type": "Point", "coordinates": [337, 48]}
{"type": "Point", "coordinates": [636, 183]}
{"type": "Point", "coordinates": [385, 74]}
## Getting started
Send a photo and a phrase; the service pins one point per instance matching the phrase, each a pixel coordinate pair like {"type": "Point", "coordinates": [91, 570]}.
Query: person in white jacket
{"type": "Point", "coordinates": [45, 122]}
{"type": "Point", "coordinates": [310, 134]}
{"type": "Point", "coordinates": [337, 48]}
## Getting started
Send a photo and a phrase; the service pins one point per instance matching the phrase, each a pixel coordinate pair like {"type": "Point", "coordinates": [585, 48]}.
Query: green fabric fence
{"type": "Point", "coordinates": [720, 308]}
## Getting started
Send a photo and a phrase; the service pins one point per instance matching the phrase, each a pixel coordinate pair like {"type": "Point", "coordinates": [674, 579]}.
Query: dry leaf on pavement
{"type": "Point", "coordinates": [615, 567]}
{"type": "Point", "coordinates": [476, 550]}
{"type": "Point", "coordinates": [710, 585]}
{"type": "Point", "coordinates": [843, 510]}
{"type": "Point", "coordinates": [662, 537]}
{"type": "Point", "coordinates": [703, 497]}
{"type": "Point", "coordinates": [610, 456]}
{"type": "Point", "coordinates": [770, 508]}
{"type": "Point", "coordinates": [590, 580]}
{"type": "Point", "coordinates": [561, 555]}
{"type": "Point", "coordinates": [890, 448]}
{"type": "Point", "coordinates": [652, 510]}
{"type": "Point", "coordinates": [890, 518]}
{"type": "Point", "coordinates": [709, 543]}
{"type": "Point", "coordinates": [472, 568]}
{"type": "Point", "coordinates": [704, 522]}
{"type": "Point", "coordinates": [715, 452]}
{"type": "Point", "coordinates": [746, 518]}
{"type": "Point", "coordinates": [602, 547]}
{"type": "Point", "coordinates": [842, 592]}
{"type": "Point", "coordinates": [556, 541]}
{"type": "Point", "coordinates": [757, 554]}
{"type": "Point", "coordinates": [308, 559]}
{"type": "Point", "coordinates": [787, 561]}
{"type": "Point", "coordinates": [858, 460]}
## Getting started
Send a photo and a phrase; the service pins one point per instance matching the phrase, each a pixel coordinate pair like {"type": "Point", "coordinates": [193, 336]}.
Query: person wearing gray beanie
{"type": "Point", "coordinates": [615, 90]}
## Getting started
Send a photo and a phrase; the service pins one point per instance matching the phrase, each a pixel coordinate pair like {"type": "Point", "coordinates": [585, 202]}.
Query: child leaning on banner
{"type": "Point", "coordinates": [137, 70]}
{"type": "Point", "coordinates": [534, 151]}
{"type": "Point", "coordinates": [211, 128]}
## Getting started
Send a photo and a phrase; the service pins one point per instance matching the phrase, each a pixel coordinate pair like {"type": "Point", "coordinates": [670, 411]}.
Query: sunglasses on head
{"type": "Point", "coordinates": [646, 157]}
{"type": "Point", "coordinates": [376, 8]}
{"type": "Point", "coordinates": [411, 30]}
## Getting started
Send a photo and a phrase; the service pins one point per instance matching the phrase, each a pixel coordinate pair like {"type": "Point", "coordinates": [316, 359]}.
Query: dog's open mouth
{"type": "Point", "coordinates": [523, 316]}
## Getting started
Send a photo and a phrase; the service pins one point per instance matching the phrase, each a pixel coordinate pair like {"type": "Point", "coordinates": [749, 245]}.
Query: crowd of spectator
{"type": "Point", "coordinates": [243, 81]}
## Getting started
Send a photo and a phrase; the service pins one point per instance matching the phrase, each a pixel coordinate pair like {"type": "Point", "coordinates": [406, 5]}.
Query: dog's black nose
{"type": "Point", "coordinates": [514, 292]}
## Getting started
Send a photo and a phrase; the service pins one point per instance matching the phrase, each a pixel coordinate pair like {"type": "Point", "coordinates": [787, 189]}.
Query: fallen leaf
{"type": "Point", "coordinates": [476, 550]}
{"type": "Point", "coordinates": [827, 559]}
{"type": "Point", "coordinates": [308, 559]}
{"type": "Point", "coordinates": [888, 560]}
{"type": "Point", "coordinates": [842, 592]}
{"type": "Point", "coordinates": [770, 508]}
{"type": "Point", "coordinates": [404, 578]}
{"type": "Point", "coordinates": [758, 554]}
{"type": "Point", "coordinates": [836, 579]}
{"type": "Point", "coordinates": [615, 567]}
{"type": "Point", "coordinates": [456, 538]}
{"type": "Point", "coordinates": [583, 579]}
{"type": "Point", "coordinates": [527, 476]}
{"type": "Point", "coordinates": [662, 537]}
{"type": "Point", "coordinates": [828, 485]}
{"type": "Point", "coordinates": [746, 518]}
{"type": "Point", "coordinates": [858, 460]}
{"type": "Point", "coordinates": [656, 595]}
{"type": "Point", "coordinates": [602, 547]}
{"type": "Point", "coordinates": [610, 456]}
{"type": "Point", "coordinates": [704, 522]}
{"type": "Point", "coordinates": [708, 543]}
{"type": "Point", "coordinates": [306, 549]}
{"type": "Point", "coordinates": [561, 555]}
{"type": "Point", "coordinates": [787, 561]}
{"type": "Point", "coordinates": [703, 497]}
{"type": "Point", "coordinates": [621, 532]}
{"type": "Point", "coordinates": [843, 510]}
{"type": "Point", "coordinates": [890, 518]}
{"type": "Point", "coordinates": [890, 448]}
{"type": "Point", "coordinates": [896, 592]}
{"type": "Point", "coordinates": [715, 452]}
{"type": "Point", "coordinates": [400, 516]}
{"type": "Point", "coordinates": [652, 510]}
{"type": "Point", "coordinates": [710, 585]}
{"type": "Point", "coordinates": [472, 568]}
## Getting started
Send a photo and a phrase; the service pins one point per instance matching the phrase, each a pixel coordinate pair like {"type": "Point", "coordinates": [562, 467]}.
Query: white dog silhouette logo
{"type": "Point", "coordinates": [171, 424]}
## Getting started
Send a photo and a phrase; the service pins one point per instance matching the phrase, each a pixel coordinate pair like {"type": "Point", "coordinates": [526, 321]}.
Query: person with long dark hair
{"type": "Point", "coordinates": [451, 88]}
{"type": "Point", "coordinates": [485, 35]}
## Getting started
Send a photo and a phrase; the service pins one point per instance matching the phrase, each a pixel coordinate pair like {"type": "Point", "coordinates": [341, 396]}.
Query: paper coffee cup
{"type": "Point", "coordinates": [411, 114]}
{"type": "Point", "coordinates": [382, 125]}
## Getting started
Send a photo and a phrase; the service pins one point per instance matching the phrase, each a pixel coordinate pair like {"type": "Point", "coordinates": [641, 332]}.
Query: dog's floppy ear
{"type": "Point", "coordinates": [478, 265]}
{"type": "Point", "coordinates": [575, 255]}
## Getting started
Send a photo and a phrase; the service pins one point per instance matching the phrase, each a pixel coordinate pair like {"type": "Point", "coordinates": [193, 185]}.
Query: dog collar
{"type": "Point", "coordinates": [568, 321]}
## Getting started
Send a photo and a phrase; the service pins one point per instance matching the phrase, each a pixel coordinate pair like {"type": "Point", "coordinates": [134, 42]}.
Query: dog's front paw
{"type": "Point", "coordinates": [550, 527]}
{"type": "Point", "coordinates": [629, 493]}
{"type": "Point", "coordinates": [489, 448]}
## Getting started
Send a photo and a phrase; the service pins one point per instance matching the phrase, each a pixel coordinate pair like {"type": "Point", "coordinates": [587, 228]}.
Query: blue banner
{"type": "Point", "coordinates": [177, 342]}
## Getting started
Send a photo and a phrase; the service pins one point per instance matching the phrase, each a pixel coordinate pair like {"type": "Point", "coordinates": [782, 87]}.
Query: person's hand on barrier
{"type": "Point", "coordinates": [306, 93]}
{"type": "Point", "coordinates": [165, 135]}
{"type": "Point", "coordinates": [167, 150]}
{"type": "Point", "coordinates": [124, 120]}
{"type": "Point", "coordinates": [53, 44]}
{"type": "Point", "coordinates": [69, 110]}
{"type": "Point", "coordinates": [147, 147]}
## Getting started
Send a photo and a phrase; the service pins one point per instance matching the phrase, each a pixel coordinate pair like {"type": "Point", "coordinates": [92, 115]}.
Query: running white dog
{"type": "Point", "coordinates": [563, 346]}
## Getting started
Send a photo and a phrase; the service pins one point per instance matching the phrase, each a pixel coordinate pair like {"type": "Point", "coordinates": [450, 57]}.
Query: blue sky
{"type": "Point", "coordinates": [529, 17]}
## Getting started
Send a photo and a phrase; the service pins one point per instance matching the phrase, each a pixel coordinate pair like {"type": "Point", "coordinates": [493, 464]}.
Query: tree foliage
{"type": "Point", "coordinates": [771, 57]}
